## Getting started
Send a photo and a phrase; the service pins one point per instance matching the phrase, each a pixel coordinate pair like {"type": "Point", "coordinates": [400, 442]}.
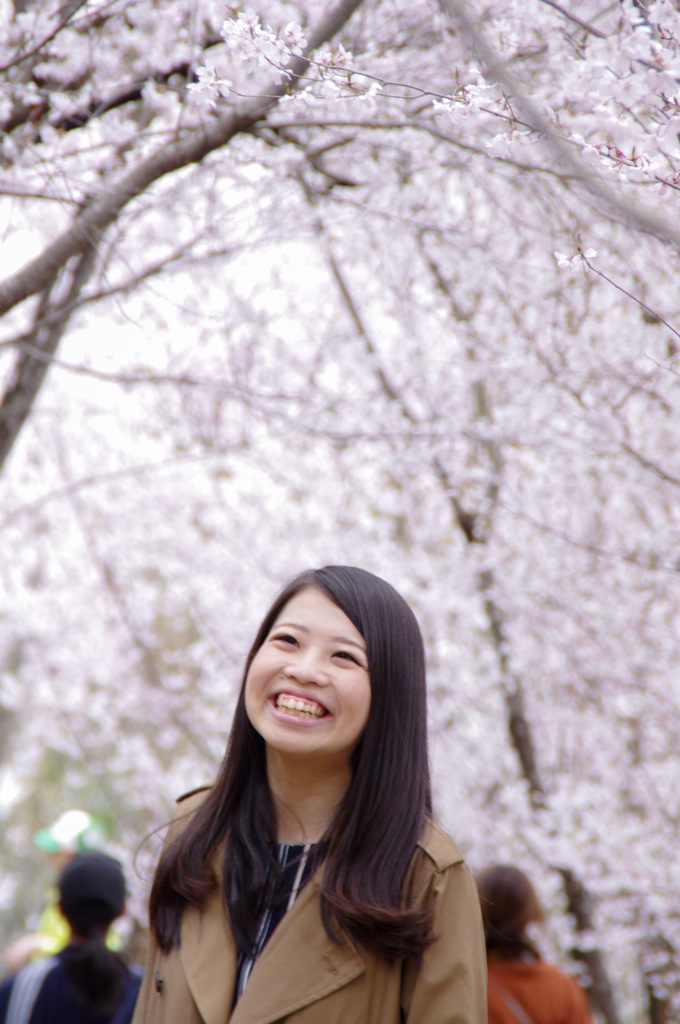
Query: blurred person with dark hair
{"type": "Point", "coordinates": [74, 831]}
{"type": "Point", "coordinates": [86, 982]}
{"type": "Point", "coordinates": [522, 988]}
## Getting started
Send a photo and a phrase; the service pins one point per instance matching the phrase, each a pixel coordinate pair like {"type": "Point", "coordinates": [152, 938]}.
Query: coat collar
{"type": "Point", "coordinates": [298, 966]}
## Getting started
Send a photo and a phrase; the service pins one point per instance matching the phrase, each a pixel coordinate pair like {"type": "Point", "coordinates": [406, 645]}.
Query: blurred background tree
{"type": "Point", "coordinates": [352, 283]}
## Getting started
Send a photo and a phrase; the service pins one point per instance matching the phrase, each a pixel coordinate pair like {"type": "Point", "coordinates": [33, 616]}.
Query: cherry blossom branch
{"type": "Point", "coordinates": [72, 10]}
{"type": "Point", "coordinates": [576, 20]}
{"type": "Point", "coordinates": [80, 242]}
{"type": "Point", "coordinates": [496, 68]}
{"type": "Point", "coordinates": [113, 196]}
{"type": "Point", "coordinates": [149, 664]}
{"type": "Point", "coordinates": [652, 467]}
{"type": "Point", "coordinates": [338, 73]}
{"type": "Point", "coordinates": [651, 564]}
{"type": "Point", "coordinates": [28, 373]}
{"type": "Point", "coordinates": [518, 725]}
{"type": "Point", "coordinates": [182, 257]}
{"type": "Point", "coordinates": [643, 305]}
{"type": "Point", "coordinates": [130, 93]}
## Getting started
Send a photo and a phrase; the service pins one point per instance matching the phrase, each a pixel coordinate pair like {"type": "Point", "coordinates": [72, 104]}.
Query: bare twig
{"type": "Point", "coordinates": [575, 19]}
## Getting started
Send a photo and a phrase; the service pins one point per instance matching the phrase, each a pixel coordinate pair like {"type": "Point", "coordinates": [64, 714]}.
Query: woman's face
{"type": "Point", "coordinates": [308, 689]}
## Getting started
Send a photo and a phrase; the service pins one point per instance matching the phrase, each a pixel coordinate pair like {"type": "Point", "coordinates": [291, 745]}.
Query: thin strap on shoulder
{"type": "Point", "coordinates": [511, 1003]}
{"type": "Point", "coordinates": [26, 989]}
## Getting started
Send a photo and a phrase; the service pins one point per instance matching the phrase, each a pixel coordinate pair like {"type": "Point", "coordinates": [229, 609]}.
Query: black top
{"type": "Point", "coordinates": [296, 865]}
{"type": "Point", "coordinates": [42, 993]}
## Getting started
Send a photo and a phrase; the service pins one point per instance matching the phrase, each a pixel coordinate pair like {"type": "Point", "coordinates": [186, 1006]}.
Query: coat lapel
{"type": "Point", "coordinates": [298, 966]}
{"type": "Point", "coordinates": [208, 956]}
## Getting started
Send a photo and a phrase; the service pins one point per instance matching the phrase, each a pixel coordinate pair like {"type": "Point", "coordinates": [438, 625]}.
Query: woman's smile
{"type": "Point", "coordinates": [298, 707]}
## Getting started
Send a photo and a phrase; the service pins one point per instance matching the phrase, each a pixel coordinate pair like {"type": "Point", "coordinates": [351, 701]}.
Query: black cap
{"type": "Point", "coordinates": [91, 877]}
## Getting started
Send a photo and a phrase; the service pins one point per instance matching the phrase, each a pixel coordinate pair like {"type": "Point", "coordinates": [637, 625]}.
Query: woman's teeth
{"type": "Point", "coordinates": [299, 706]}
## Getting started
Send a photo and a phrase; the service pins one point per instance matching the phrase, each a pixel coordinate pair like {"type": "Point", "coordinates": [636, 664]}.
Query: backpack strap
{"type": "Point", "coordinates": [511, 1003]}
{"type": "Point", "coordinates": [26, 989]}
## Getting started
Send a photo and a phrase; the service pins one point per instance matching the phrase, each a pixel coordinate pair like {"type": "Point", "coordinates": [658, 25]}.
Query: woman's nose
{"type": "Point", "coordinates": [306, 666]}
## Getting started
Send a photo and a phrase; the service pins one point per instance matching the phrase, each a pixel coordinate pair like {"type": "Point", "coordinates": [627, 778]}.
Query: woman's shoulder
{"type": "Point", "coordinates": [558, 977]}
{"type": "Point", "coordinates": [439, 847]}
{"type": "Point", "coordinates": [185, 806]}
{"type": "Point", "coordinates": [437, 865]}
{"type": "Point", "coordinates": [539, 975]}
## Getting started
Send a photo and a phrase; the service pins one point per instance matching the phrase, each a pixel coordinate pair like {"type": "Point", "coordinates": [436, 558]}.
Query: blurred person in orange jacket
{"type": "Point", "coordinates": [522, 988]}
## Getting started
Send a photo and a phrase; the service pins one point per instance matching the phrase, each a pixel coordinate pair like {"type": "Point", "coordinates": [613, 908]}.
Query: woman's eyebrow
{"type": "Point", "coordinates": [346, 640]}
{"type": "Point", "coordinates": [335, 639]}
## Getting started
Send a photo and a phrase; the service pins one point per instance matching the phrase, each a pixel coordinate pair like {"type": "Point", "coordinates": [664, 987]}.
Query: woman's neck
{"type": "Point", "coordinates": [305, 798]}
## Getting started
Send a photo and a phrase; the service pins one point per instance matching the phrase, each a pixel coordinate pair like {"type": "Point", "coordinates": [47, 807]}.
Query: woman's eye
{"type": "Point", "coordinates": [347, 655]}
{"type": "Point", "coordinates": [286, 638]}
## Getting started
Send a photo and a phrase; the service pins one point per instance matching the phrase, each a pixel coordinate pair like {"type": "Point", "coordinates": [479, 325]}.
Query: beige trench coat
{"type": "Point", "coordinates": [302, 977]}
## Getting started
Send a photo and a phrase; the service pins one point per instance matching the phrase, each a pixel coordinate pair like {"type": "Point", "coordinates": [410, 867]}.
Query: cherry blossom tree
{"type": "Point", "coordinates": [309, 283]}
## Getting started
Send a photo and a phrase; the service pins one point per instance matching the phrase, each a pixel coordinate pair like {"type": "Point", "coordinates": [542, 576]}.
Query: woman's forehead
{"type": "Point", "coordinates": [310, 608]}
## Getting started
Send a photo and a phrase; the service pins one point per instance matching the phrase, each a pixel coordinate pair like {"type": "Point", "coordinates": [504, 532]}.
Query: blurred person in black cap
{"type": "Point", "coordinates": [86, 982]}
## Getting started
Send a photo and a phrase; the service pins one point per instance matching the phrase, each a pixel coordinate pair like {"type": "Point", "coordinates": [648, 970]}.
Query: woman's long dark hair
{"type": "Point", "coordinates": [509, 904]}
{"type": "Point", "coordinates": [96, 973]}
{"type": "Point", "coordinates": [374, 833]}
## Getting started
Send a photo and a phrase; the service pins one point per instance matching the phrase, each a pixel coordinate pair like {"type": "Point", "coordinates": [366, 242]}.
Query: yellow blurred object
{"type": "Point", "coordinates": [54, 933]}
{"type": "Point", "coordinates": [53, 930]}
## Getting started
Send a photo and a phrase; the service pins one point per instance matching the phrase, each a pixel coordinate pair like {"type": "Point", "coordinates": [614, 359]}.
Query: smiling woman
{"type": "Point", "coordinates": [308, 690]}
{"type": "Point", "coordinates": [310, 884]}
